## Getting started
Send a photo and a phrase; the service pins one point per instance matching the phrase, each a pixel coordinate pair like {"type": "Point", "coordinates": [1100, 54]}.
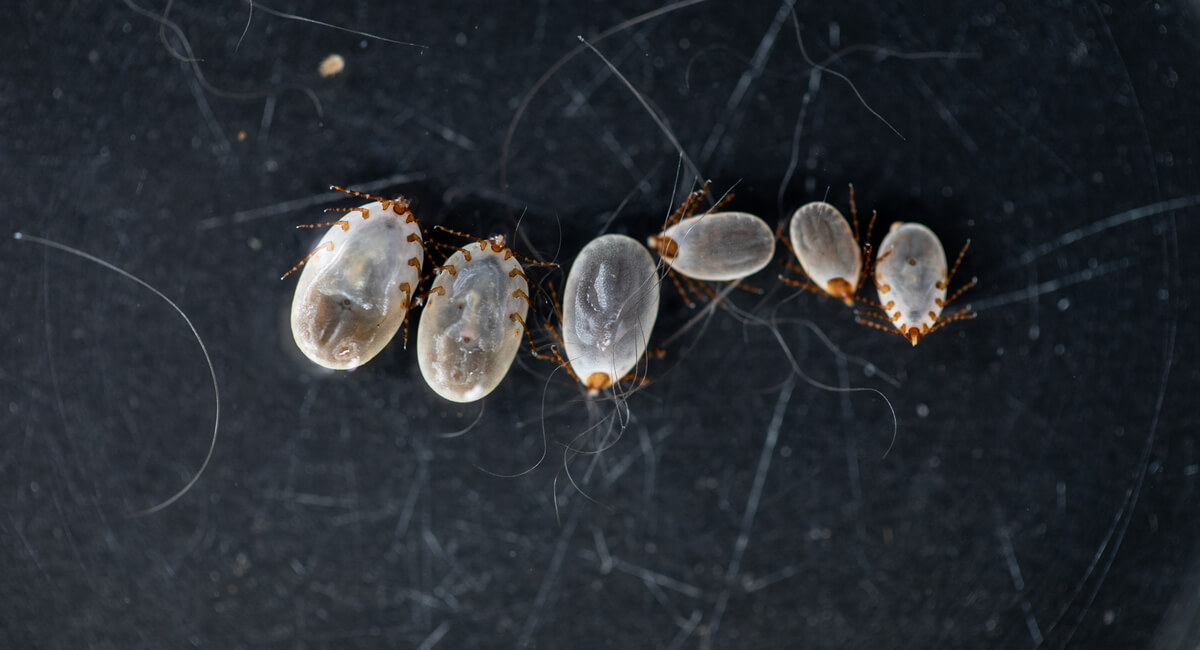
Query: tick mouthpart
{"type": "Point", "coordinates": [666, 247]}
{"type": "Point", "coordinates": [596, 382]}
{"type": "Point", "coordinates": [841, 289]}
{"type": "Point", "coordinates": [913, 335]}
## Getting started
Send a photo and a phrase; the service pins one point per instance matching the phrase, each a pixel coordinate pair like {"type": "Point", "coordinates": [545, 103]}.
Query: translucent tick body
{"type": "Point", "coordinates": [827, 249]}
{"type": "Point", "coordinates": [715, 246]}
{"type": "Point", "coordinates": [911, 277]}
{"type": "Point", "coordinates": [609, 307]}
{"type": "Point", "coordinates": [356, 286]}
{"type": "Point", "coordinates": [471, 326]}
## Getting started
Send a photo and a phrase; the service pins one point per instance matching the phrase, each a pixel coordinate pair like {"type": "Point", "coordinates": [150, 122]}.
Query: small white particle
{"type": "Point", "coordinates": [922, 410]}
{"type": "Point", "coordinates": [1064, 304]}
{"type": "Point", "coordinates": [333, 64]}
{"type": "Point", "coordinates": [1191, 470]}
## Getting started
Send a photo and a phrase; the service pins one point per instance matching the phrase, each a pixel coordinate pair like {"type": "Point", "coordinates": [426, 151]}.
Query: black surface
{"type": "Point", "coordinates": [1041, 487]}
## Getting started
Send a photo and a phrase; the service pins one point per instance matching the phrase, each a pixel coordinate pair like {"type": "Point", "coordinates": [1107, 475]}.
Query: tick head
{"type": "Point", "coordinates": [841, 289]}
{"type": "Point", "coordinates": [596, 382]}
{"type": "Point", "coordinates": [664, 245]}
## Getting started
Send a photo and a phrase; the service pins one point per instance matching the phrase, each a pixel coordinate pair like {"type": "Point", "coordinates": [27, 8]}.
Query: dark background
{"type": "Point", "coordinates": [1041, 485]}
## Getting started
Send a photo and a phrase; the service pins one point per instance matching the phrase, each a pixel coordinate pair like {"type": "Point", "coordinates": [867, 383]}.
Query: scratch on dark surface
{"type": "Point", "coordinates": [1014, 571]}
{"type": "Point", "coordinates": [621, 153]}
{"type": "Point", "coordinates": [448, 134]}
{"type": "Point", "coordinates": [53, 367]}
{"type": "Point", "coordinates": [1170, 261]}
{"type": "Point", "coordinates": [650, 476]}
{"type": "Point", "coordinates": [946, 115]}
{"type": "Point", "coordinates": [653, 111]}
{"type": "Point", "coordinates": [202, 104]}
{"type": "Point", "coordinates": [506, 148]}
{"type": "Point", "coordinates": [1050, 286]}
{"type": "Point", "coordinates": [434, 636]}
{"type": "Point", "coordinates": [410, 499]}
{"type": "Point", "coordinates": [548, 581]}
{"type": "Point", "coordinates": [814, 83]}
{"type": "Point", "coordinates": [757, 63]}
{"type": "Point", "coordinates": [581, 97]}
{"type": "Point", "coordinates": [268, 116]}
{"type": "Point", "coordinates": [539, 22]}
{"type": "Point", "coordinates": [293, 205]}
{"type": "Point", "coordinates": [16, 529]}
{"type": "Point", "coordinates": [853, 469]}
{"type": "Point", "coordinates": [1097, 227]}
{"type": "Point", "coordinates": [685, 630]}
{"type": "Point", "coordinates": [65, 526]}
{"type": "Point", "coordinates": [771, 578]}
{"type": "Point", "coordinates": [752, 501]}
{"type": "Point", "coordinates": [647, 576]}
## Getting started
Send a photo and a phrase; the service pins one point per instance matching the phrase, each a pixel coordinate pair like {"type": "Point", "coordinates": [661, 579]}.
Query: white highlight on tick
{"type": "Point", "coordinates": [610, 304]}
{"type": "Point", "coordinates": [714, 246]}
{"type": "Point", "coordinates": [470, 328]}
{"type": "Point", "coordinates": [911, 278]}
{"type": "Point", "coordinates": [358, 283]}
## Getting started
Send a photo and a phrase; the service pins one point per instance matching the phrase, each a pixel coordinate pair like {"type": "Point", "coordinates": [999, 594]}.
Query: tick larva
{"type": "Point", "coordinates": [357, 284]}
{"type": "Point", "coordinates": [714, 246]}
{"type": "Point", "coordinates": [828, 250]}
{"type": "Point", "coordinates": [471, 326]}
{"type": "Point", "coordinates": [911, 278]}
{"type": "Point", "coordinates": [610, 304]}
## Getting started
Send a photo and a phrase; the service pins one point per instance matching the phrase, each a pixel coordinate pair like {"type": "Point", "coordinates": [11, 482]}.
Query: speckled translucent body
{"type": "Point", "coordinates": [355, 289]}
{"type": "Point", "coordinates": [910, 276]}
{"type": "Point", "coordinates": [468, 336]}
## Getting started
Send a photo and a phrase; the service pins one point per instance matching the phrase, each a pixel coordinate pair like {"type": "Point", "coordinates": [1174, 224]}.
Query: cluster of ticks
{"type": "Point", "coordinates": [359, 283]}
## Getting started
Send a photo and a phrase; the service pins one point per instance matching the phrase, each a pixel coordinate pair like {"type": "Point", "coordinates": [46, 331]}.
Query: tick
{"type": "Point", "coordinates": [830, 253]}
{"type": "Point", "coordinates": [471, 326]}
{"type": "Point", "coordinates": [357, 285]}
{"type": "Point", "coordinates": [610, 304]}
{"type": "Point", "coordinates": [910, 276]}
{"type": "Point", "coordinates": [714, 246]}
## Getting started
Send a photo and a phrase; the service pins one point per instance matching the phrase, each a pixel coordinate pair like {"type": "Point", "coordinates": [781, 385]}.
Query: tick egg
{"type": "Point", "coordinates": [356, 286]}
{"type": "Point", "coordinates": [719, 246]}
{"type": "Point", "coordinates": [471, 326]}
{"type": "Point", "coordinates": [827, 249]}
{"type": "Point", "coordinates": [609, 307]}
